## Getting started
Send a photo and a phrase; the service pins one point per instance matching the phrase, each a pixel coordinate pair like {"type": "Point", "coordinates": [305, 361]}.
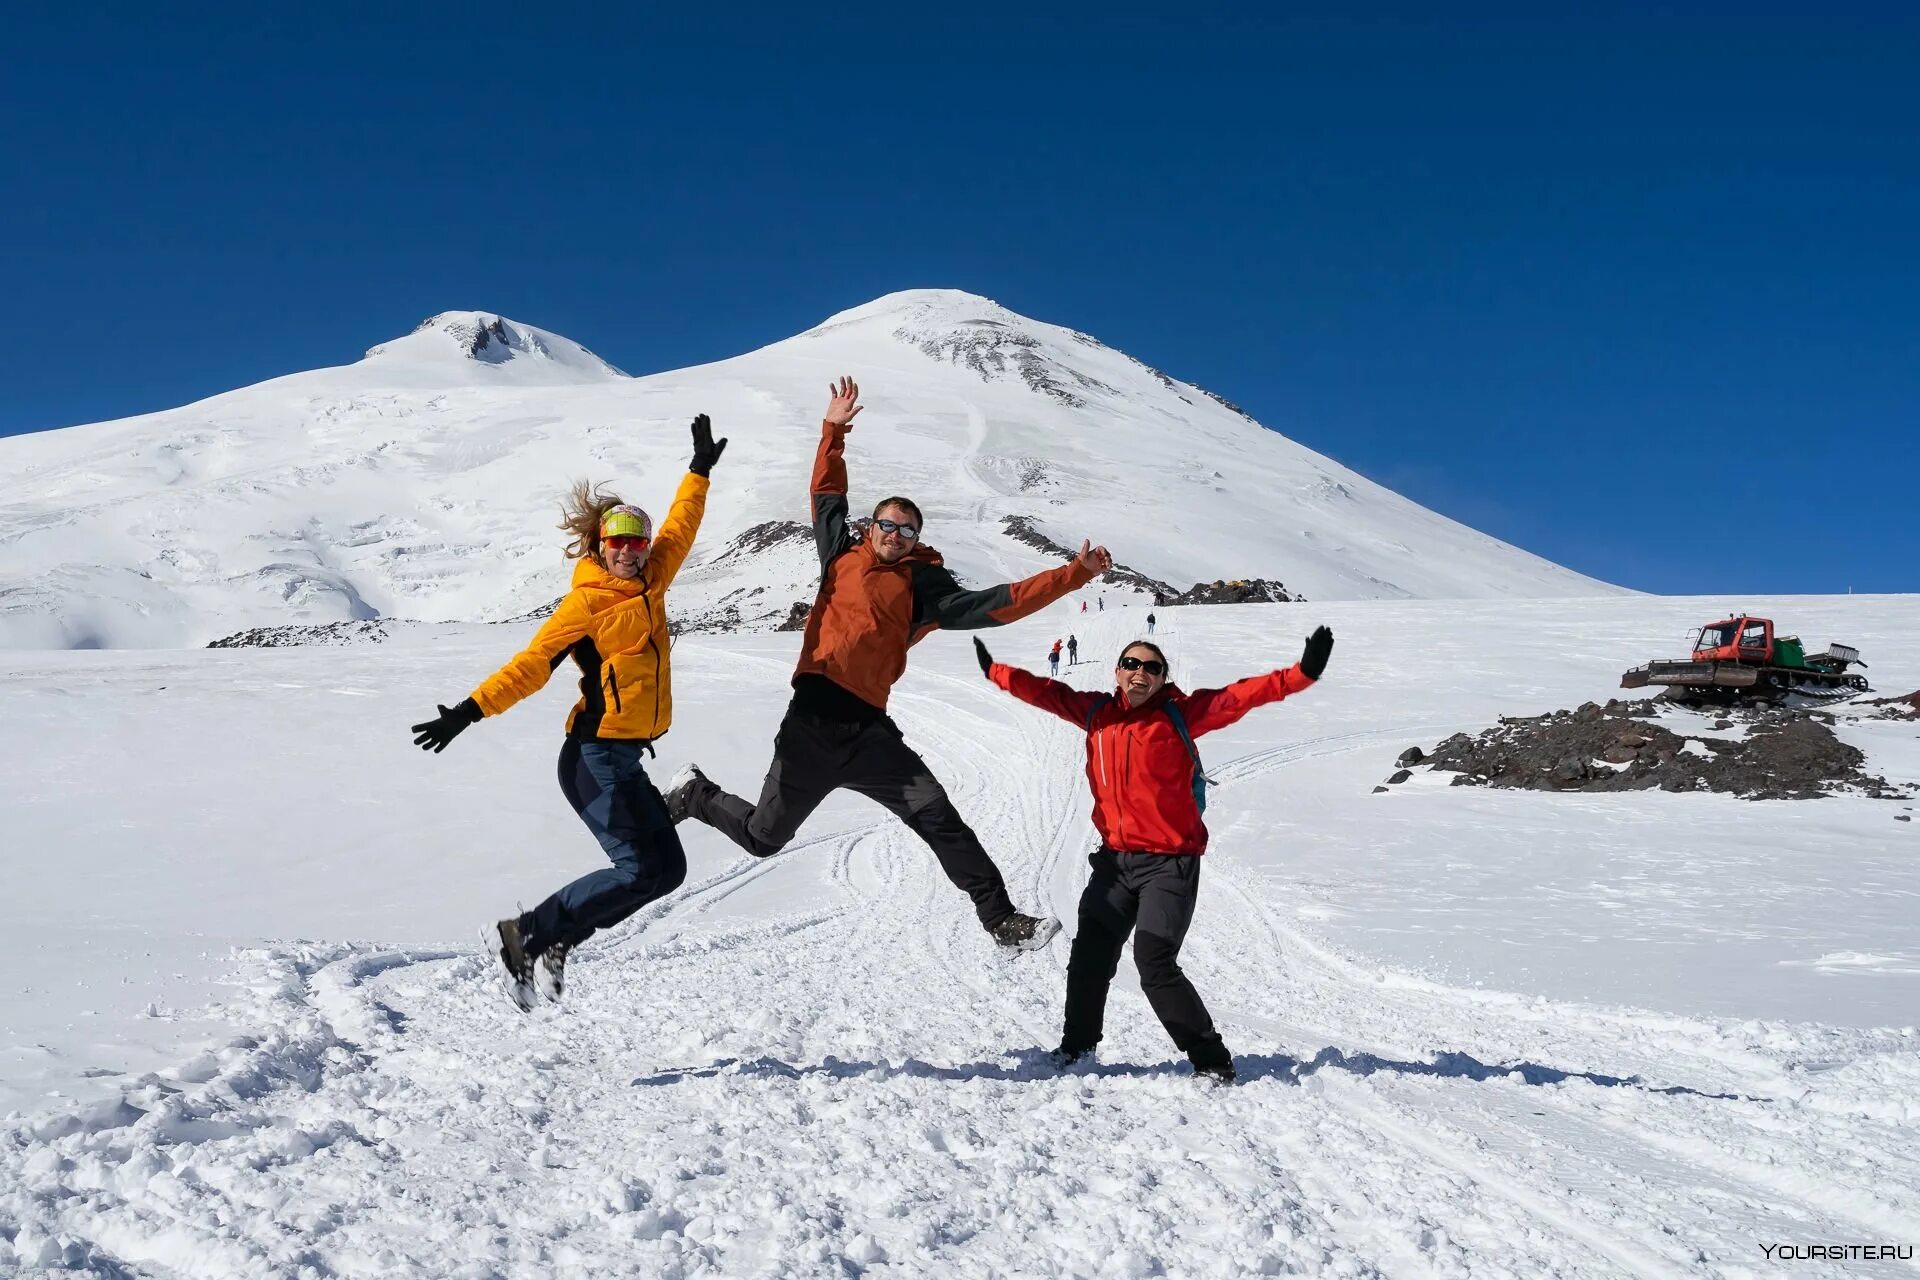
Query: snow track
{"type": "Point", "coordinates": [817, 1064]}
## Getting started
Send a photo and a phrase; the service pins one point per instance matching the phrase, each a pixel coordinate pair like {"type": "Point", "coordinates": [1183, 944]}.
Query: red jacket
{"type": "Point", "coordinates": [1142, 773]}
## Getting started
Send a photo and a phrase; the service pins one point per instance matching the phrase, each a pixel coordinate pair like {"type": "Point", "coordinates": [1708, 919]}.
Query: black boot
{"type": "Point", "coordinates": [507, 936]}
{"type": "Point", "coordinates": [553, 970]}
{"type": "Point", "coordinates": [1066, 1056]}
{"type": "Point", "coordinates": [1211, 1062]}
{"type": "Point", "coordinates": [679, 787]}
{"type": "Point", "coordinates": [1021, 932]}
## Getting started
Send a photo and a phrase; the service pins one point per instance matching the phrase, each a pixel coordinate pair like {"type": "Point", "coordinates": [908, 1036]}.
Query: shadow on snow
{"type": "Point", "coordinates": [1033, 1065]}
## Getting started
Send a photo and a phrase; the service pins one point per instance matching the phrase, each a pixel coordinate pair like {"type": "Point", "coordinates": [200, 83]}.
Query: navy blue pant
{"type": "Point", "coordinates": [607, 785]}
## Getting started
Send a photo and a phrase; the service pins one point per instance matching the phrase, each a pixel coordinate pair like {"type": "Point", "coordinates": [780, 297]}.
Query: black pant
{"type": "Point", "coordinates": [608, 787]}
{"type": "Point", "coordinates": [1157, 891]}
{"type": "Point", "coordinates": [812, 757]}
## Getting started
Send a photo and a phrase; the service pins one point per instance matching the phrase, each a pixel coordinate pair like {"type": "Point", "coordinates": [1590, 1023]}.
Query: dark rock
{"type": "Point", "coordinates": [1412, 755]}
{"type": "Point", "coordinates": [1786, 755]}
{"type": "Point", "coordinates": [797, 616]}
{"type": "Point", "coordinates": [1378, 790]}
{"type": "Point", "coordinates": [1399, 777]}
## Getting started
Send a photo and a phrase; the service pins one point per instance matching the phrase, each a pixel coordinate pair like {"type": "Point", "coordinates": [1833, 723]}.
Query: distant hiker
{"type": "Point", "coordinates": [1053, 658]}
{"type": "Point", "coordinates": [1073, 651]}
{"type": "Point", "coordinates": [613, 624]}
{"type": "Point", "coordinates": [879, 595]}
{"type": "Point", "coordinates": [1103, 604]}
{"type": "Point", "coordinates": [1083, 606]}
{"type": "Point", "coordinates": [1149, 624]}
{"type": "Point", "coordinates": [1148, 795]}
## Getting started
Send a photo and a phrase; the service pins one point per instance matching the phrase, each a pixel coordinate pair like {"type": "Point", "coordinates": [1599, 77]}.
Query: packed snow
{"type": "Point", "coordinates": [247, 1031]}
{"type": "Point", "coordinates": [424, 481]}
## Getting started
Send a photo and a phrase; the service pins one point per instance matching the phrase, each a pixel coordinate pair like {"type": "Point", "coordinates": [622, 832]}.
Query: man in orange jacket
{"type": "Point", "coordinates": [879, 595]}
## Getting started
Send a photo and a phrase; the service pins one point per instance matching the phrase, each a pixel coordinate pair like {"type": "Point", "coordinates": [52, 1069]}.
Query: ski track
{"type": "Point", "coordinates": [746, 1096]}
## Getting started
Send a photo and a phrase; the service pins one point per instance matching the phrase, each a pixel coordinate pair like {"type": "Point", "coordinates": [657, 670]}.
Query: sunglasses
{"type": "Point", "coordinates": [625, 542]}
{"type": "Point", "coordinates": [1152, 666]}
{"type": "Point", "coordinates": [906, 531]}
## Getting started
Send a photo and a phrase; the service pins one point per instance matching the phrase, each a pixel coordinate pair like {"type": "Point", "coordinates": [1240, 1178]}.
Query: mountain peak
{"type": "Point", "coordinates": [920, 306]}
{"type": "Point", "coordinates": [483, 338]}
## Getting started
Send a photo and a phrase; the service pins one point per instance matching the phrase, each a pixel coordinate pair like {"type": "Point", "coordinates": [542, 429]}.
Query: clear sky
{"type": "Point", "coordinates": [1636, 291]}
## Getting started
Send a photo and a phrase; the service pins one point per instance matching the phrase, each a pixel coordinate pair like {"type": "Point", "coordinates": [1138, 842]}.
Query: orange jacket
{"type": "Point", "coordinates": [615, 630]}
{"type": "Point", "coordinates": [868, 614]}
{"type": "Point", "coordinates": [1142, 774]}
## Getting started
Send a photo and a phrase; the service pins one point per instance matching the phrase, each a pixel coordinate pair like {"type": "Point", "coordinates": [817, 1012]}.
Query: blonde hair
{"type": "Point", "coordinates": [580, 516]}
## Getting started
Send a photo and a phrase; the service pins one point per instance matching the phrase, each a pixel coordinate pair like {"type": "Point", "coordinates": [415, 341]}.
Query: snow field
{"type": "Point", "coordinates": [1457, 1059]}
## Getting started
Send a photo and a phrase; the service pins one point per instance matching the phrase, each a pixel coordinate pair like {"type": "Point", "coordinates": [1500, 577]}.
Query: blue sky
{"type": "Point", "coordinates": [1636, 291]}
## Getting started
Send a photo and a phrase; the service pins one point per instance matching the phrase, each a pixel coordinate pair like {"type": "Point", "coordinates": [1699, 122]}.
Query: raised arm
{"type": "Point", "coordinates": [940, 601]}
{"type": "Point", "coordinates": [675, 537]}
{"type": "Point", "coordinates": [828, 490]}
{"type": "Point", "coordinates": [1210, 709]}
{"type": "Point", "coordinates": [1068, 703]}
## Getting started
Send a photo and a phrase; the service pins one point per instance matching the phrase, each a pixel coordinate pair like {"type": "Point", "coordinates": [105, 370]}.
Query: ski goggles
{"type": "Point", "coordinates": [625, 521]}
{"type": "Point", "coordinates": [906, 531]}
{"type": "Point", "coordinates": [1152, 666]}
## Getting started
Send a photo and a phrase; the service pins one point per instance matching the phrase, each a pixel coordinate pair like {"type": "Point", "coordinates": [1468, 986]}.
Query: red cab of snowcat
{"type": "Point", "coordinates": [1741, 639]}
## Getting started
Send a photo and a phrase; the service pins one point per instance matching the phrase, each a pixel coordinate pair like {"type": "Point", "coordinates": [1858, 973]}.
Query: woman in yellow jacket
{"type": "Point", "coordinates": [613, 624]}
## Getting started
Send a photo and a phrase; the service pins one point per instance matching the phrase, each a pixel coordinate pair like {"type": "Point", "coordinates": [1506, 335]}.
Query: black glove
{"type": "Point", "coordinates": [984, 658]}
{"type": "Point", "coordinates": [1313, 659]}
{"type": "Point", "coordinates": [705, 451]}
{"type": "Point", "coordinates": [434, 735]}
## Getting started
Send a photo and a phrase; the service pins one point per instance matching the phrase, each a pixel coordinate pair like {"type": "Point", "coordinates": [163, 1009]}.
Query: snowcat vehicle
{"type": "Point", "coordinates": [1740, 658]}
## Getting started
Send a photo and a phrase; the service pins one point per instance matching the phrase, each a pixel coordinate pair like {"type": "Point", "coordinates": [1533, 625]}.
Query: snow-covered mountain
{"type": "Point", "coordinates": [423, 481]}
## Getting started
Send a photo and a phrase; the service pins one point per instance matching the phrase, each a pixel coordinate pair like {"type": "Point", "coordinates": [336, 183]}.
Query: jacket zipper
{"type": "Point", "coordinates": [656, 684]}
{"type": "Point", "coordinates": [1100, 750]}
{"type": "Point", "coordinates": [613, 687]}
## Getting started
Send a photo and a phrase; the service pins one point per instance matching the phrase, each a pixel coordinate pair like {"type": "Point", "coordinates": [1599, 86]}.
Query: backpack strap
{"type": "Point", "coordinates": [1094, 710]}
{"type": "Point", "coordinates": [1200, 778]}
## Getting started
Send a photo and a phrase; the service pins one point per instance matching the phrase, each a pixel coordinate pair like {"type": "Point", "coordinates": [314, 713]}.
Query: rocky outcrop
{"type": "Point", "coordinates": [1624, 746]}
{"type": "Point", "coordinates": [1237, 591]}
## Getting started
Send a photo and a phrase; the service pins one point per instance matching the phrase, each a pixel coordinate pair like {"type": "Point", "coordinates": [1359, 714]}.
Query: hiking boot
{"type": "Point", "coordinates": [1063, 1057]}
{"type": "Point", "coordinates": [553, 970]}
{"type": "Point", "coordinates": [679, 787]}
{"type": "Point", "coordinates": [1212, 1064]}
{"type": "Point", "coordinates": [1021, 932]}
{"type": "Point", "coordinates": [506, 936]}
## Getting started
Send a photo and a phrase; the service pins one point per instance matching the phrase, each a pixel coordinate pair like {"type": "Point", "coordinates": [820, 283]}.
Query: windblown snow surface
{"type": "Point", "coordinates": [1480, 1033]}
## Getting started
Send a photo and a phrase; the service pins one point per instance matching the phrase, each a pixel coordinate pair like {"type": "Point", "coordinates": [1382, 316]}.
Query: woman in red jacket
{"type": "Point", "coordinates": [1148, 795]}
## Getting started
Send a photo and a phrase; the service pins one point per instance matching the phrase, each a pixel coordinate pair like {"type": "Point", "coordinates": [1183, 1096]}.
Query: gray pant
{"type": "Point", "coordinates": [1157, 892]}
{"type": "Point", "coordinates": [812, 758]}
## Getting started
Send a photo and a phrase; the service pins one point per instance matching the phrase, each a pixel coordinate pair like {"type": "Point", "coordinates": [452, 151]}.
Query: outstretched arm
{"type": "Point", "coordinates": [829, 487]}
{"type": "Point", "coordinates": [1065, 701]}
{"type": "Point", "coordinates": [528, 671]}
{"type": "Point", "coordinates": [1210, 709]}
{"type": "Point", "coordinates": [940, 601]}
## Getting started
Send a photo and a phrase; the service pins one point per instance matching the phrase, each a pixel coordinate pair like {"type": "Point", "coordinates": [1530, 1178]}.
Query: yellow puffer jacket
{"type": "Point", "coordinates": [615, 629]}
